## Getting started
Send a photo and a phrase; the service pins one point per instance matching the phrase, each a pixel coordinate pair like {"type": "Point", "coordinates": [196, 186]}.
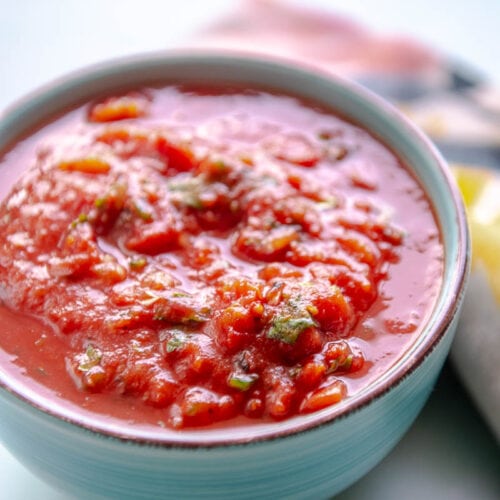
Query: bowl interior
{"type": "Point", "coordinates": [350, 101]}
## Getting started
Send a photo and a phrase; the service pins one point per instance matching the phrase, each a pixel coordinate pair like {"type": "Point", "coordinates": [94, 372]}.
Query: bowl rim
{"type": "Point", "coordinates": [441, 319]}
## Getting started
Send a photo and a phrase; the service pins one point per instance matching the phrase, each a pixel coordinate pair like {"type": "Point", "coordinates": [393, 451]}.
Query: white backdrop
{"type": "Point", "coordinates": [40, 40]}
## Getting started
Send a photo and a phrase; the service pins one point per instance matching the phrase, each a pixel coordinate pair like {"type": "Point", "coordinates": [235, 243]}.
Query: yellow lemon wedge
{"type": "Point", "coordinates": [481, 192]}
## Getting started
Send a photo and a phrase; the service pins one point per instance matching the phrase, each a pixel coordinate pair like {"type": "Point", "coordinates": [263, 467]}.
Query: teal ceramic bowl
{"type": "Point", "coordinates": [312, 456]}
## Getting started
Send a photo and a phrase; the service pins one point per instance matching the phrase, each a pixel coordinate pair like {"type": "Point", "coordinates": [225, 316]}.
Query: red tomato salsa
{"type": "Point", "coordinates": [209, 254]}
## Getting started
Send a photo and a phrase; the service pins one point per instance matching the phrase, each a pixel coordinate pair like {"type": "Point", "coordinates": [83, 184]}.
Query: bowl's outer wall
{"type": "Point", "coordinates": [319, 463]}
{"type": "Point", "coordinates": [311, 464]}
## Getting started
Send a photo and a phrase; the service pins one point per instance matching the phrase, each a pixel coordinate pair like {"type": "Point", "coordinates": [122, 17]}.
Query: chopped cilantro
{"type": "Point", "coordinates": [343, 365]}
{"type": "Point", "coordinates": [176, 341]}
{"type": "Point", "coordinates": [193, 317]}
{"type": "Point", "coordinates": [242, 381]}
{"type": "Point", "coordinates": [137, 263]}
{"type": "Point", "coordinates": [187, 192]}
{"type": "Point", "coordinates": [176, 313]}
{"type": "Point", "coordinates": [91, 358]}
{"type": "Point", "coordinates": [143, 210]}
{"type": "Point", "coordinates": [287, 329]}
{"type": "Point", "coordinates": [80, 220]}
{"type": "Point", "coordinates": [346, 365]}
{"type": "Point", "coordinates": [327, 203]}
{"type": "Point", "coordinates": [114, 198]}
{"type": "Point", "coordinates": [100, 202]}
{"type": "Point", "coordinates": [221, 166]}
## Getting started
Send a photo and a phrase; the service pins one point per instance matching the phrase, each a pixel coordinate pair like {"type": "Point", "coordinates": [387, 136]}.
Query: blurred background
{"type": "Point", "coordinates": [437, 60]}
{"type": "Point", "coordinates": [41, 40]}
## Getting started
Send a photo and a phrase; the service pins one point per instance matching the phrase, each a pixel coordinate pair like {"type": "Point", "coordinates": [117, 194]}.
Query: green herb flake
{"type": "Point", "coordinates": [193, 317]}
{"type": "Point", "coordinates": [242, 381]}
{"type": "Point", "coordinates": [80, 220]}
{"type": "Point", "coordinates": [164, 315]}
{"type": "Point", "coordinates": [287, 329]}
{"type": "Point", "coordinates": [176, 341]}
{"type": "Point", "coordinates": [91, 358]}
{"type": "Point", "coordinates": [192, 200]}
{"type": "Point", "coordinates": [221, 165]}
{"type": "Point", "coordinates": [332, 366]}
{"type": "Point", "coordinates": [142, 210]}
{"type": "Point", "coordinates": [113, 199]}
{"type": "Point", "coordinates": [346, 365]}
{"type": "Point", "coordinates": [327, 203]}
{"type": "Point", "coordinates": [100, 202]}
{"type": "Point", "coordinates": [137, 263]}
{"type": "Point", "coordinates": [188, 192]}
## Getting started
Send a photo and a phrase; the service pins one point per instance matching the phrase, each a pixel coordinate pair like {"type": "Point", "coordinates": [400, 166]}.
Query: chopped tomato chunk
{"type": "Point", "coordinates": [323, 397]}
{"type": "Point", "coordinates": [124, 107]}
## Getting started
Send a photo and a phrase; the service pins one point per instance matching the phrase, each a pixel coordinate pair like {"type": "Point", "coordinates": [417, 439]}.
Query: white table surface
{"type": "Point", "coordinates": [448, 454]}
